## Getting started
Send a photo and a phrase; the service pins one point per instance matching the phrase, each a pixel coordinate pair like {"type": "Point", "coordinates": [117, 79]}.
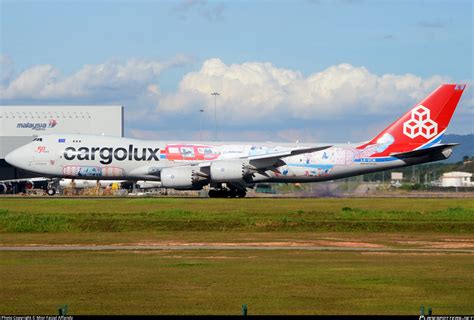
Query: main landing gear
{"type": "Point", "coordinates": [227, 193]}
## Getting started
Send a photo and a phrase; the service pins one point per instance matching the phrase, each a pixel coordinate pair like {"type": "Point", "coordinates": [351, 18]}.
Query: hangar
{"type": "Point", "coordinates": [19, 124]}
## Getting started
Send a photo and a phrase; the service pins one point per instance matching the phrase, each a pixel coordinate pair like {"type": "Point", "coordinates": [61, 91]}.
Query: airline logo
{"type": "Point", "coordinates": [107, 155]}
{"type": "Point", "coordinates": [420, 124]}
{"type": "Point", "coordinates": [39, 126]}
{"type": "Point", "coordinates": [52, 123]}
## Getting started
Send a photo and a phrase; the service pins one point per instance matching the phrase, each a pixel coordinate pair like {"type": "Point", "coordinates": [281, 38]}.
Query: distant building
{"type": "Point", "coordinates": [396, 179]}
{"type": "Point", "coordinates": [397, 176]}
{"type": "Point", "coordinates": [456, 179]}
{"type": "Point", "coordinates": [20, 124]}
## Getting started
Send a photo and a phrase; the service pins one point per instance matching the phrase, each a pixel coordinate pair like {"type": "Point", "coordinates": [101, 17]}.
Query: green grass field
{"type": "Point", "coordinates": [335, 215]}
{"type": "Point", "coordinates": [211, 282]}
{"type": "Point", "coordinates": [220, 281]}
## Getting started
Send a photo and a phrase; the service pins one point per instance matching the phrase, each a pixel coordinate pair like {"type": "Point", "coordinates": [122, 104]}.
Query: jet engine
{"type": "Point", "coordinates": [29, 185]}
{"type": "Point", "coordinates": [36, 184]}
{"type": "Point", "coordinates": [3, 188]}
{"type": "Point", "coordinates": [184, 178]}
{"type": "Point", "coordinates": [231, 170]}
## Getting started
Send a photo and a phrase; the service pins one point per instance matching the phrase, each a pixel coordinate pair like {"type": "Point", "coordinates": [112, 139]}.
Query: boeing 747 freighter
{"type": "Point", "coordinates": [231, 168]}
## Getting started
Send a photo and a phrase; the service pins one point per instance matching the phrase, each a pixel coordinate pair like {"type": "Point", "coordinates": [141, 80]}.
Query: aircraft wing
{"type": "Point", "coordinates": [263, 161]}
{"type": "Point", "coordinates": [259, 162]}
{"type": "Point", "coordinates": [36, 179]}
{"type": "Point", "coordinates": [274, 159]}
{"type": "Point", "coordinates": [27, 183]}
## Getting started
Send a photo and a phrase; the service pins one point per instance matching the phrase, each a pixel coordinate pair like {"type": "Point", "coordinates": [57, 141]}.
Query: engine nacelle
{"type": "Point", "coordinates": [231, 170]}
{"type": "Point", "coordinates": [36, 184]}
{"type": "Point", "coordinates": [29, 185]}
{"type": "Point", "coordinates": [184, 178]}
{"type": "Point", "coordinates": [3, 188]}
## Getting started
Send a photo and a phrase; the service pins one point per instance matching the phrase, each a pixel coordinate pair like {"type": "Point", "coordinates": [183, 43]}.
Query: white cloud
{"type": "Point", "coordinates": [252, 94]}
{"type": "Point", "coordinates": [253, 91]}
{"type": "Point", "coordinates": [110, 80]}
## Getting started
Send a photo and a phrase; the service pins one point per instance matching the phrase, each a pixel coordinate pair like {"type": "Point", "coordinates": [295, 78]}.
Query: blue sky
{"type": "Point", "coordinates": [286, 69]}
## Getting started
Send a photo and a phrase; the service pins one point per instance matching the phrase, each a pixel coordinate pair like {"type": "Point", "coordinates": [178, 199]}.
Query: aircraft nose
{"type": "Point", "coordinates": [9, 157]}
{"type": "Point", "coordinates": [14, 158]}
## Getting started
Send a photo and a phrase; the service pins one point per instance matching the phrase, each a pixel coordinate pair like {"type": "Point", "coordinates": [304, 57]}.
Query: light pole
{"type": "Point", "coordinates": [215, 94]}
{"type": "Point", "coordinates": [201, 111]}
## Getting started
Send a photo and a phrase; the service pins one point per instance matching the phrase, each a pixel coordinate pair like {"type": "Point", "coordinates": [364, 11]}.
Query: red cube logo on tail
{"type": "Point", "coordinates": [420, 124]}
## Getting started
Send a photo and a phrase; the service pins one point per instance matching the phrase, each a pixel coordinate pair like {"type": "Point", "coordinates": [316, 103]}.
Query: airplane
{"type": "Point", "coordinates": [230, 168]}
{"type": "Point", "coordinates": [16, 185]}
{"type": "Point", "coordinates": [45, 183]}
{"type": "Point", "coordinates": [85, 183]}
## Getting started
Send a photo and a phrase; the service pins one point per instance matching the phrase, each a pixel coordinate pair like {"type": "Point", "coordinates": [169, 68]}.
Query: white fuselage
{"type": "Point", "coordinates": [413, 138]}
{"type": "Point", "coordinates": [101, 157]}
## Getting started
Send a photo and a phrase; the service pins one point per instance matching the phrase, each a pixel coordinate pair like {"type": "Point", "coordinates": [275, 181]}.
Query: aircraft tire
{"type": "Point", "coordinates": [213, 193]}
{"type": "Point", "coordinates": [223, 193]}
{"type": "Point", "coordinates": [51, 191]}
{"type": "Point", "coordinates": [232, 193]}
{"type": "Point", "coordinates": [241, 193]}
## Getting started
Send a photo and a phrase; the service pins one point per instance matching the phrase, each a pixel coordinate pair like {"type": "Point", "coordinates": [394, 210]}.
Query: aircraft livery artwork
{"type": "Point", "coordinates": [231, 168]}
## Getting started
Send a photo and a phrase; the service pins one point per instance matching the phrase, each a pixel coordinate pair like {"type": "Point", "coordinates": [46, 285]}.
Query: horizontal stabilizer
{"type": "Point", "coordinates": [425, 152]}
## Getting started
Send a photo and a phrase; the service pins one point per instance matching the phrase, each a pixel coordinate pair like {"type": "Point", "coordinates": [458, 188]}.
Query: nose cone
{"type": "Point", "coordinates": [9, 157]}
{"type": "Point", "coordinates": [15, 158]}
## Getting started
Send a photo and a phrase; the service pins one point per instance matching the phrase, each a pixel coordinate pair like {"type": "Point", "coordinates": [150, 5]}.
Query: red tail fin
{"type": "Point", "coordinates": [423, 125]}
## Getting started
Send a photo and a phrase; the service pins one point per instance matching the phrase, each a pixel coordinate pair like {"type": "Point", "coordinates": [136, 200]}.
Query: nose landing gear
{"type": "Point", "coordinates": [52, 187]}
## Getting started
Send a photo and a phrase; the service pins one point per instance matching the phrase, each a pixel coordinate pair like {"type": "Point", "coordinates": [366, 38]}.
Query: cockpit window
{"type": "Point", "coordinates": [38, 139]}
